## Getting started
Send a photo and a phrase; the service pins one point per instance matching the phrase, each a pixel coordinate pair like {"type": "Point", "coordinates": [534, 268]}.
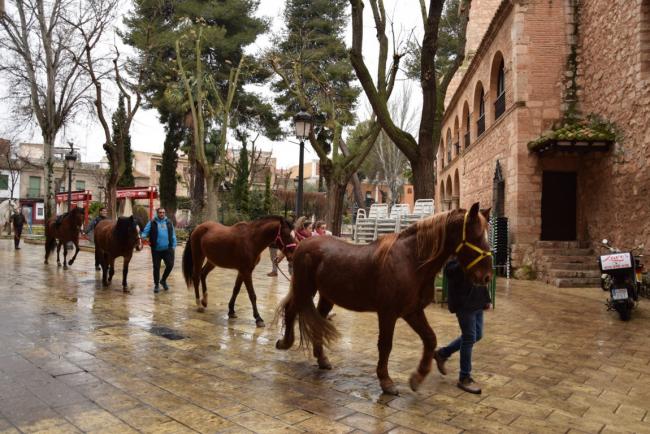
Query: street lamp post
{"type": "Point", "coordinates": [303, 125]}
{"type": "Point", "coordinates": [70, 159]}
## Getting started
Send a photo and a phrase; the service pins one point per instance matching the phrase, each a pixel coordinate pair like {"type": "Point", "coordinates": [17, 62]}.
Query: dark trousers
{"type": "Point", "coordinates": [167, 256]}
{"type": "Point", "coordinates": [471, 327]}
{"type": "Point", "coordinates": [18, 231]}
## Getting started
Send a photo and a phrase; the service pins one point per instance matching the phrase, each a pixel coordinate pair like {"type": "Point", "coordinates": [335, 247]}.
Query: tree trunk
{"type": "Point", "coordinates": [356, 188]}
{"type": "Point", "coordinates": [423, 178]}
{"type": "Point", "coordinates": [48, 175]}
{"type": "Point", "coordinates": [198, 194]}
{"type": "Point", "coordinates": [212, 211]}
{"type": "Point", "coordinates": [335, 200]}
{"type": "Point", "coordinates": [111, 184]}
{"type": "Point", "coordinates": [168, 174]}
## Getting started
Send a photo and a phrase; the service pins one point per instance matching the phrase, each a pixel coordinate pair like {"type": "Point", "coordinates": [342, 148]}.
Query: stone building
{"type": "Point", "coordinates": [546, 122]}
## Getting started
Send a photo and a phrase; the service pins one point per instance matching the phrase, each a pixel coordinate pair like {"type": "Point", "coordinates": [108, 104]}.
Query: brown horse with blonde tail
{"type": "Point", "coordinates": [115, 239]}
{"type": "Point", "coordinates": [237, 247]}
{"type": "Point", "coordinates": [394, 276]}
{"type": "Point", "coordinates": [65, 231]}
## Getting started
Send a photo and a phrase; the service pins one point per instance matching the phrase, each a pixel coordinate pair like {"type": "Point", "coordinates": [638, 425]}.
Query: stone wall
{"type": "Point", "coordinates": [532, 38]}
{"type": "Point", "coordinates": [614, 82]}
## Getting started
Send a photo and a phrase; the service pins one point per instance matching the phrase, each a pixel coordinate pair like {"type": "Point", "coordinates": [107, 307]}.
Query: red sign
{"type": "Point", "coordinates": [136, 193]}
{"type": "Point", "coordinates": [77, 196]}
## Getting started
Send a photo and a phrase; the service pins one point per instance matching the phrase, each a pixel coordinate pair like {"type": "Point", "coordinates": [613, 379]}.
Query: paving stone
{"type": "Point", "coordinates": [77, 357]}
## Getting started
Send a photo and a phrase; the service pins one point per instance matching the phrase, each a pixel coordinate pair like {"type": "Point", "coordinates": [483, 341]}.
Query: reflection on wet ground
{"type": "Point", "coordinates": [78, 357]}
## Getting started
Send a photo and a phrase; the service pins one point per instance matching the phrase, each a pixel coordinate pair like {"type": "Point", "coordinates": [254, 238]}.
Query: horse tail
{"type": "Point", "coordinates": [188, 262]}
{"type": "Point", "coordinates": [312, 325]}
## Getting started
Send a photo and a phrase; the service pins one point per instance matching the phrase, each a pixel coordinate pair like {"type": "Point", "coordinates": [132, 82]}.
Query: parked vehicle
{"type": "Point", "coordinates": [623, 276]}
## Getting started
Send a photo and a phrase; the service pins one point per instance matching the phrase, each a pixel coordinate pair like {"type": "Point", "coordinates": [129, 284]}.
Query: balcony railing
{"type": "Point", "coordinates": [480, 125]}
{"type": "Point", "coordinates": [467, 143]}
{"type": "Point", "coordinates": [499, 106]}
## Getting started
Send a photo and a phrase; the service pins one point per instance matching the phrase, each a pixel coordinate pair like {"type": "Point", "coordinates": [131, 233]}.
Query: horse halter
{"type": "Point", "coordinates": [464, 243]}
{"type": "Point", "coordinates": [278, 240]}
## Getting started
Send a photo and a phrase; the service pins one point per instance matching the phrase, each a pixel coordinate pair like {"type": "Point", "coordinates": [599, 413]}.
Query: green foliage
{"type": "Point", "coordinates": [449, 33]}
{"type": "Point", "coordinates": [173, 140]}
{"type": "Point", "coordinates": [93, 209]}
{"type": "Point", "coordinates": [268, 195]}
{"type": "Point", "coordinates": [121, 137]}
{"type": "Point", "coordinates": [183, 202]}
{"type": "Point", "coordinates": [227, 26]}
{"type": "Point", "coordinates": [241, 186]}
{"type": "Point", "coordinates": [141, 214]}
{"type": "Point", "coordinates": [314, 43]}
{"type": "Point", "coordinates": [591, 129]}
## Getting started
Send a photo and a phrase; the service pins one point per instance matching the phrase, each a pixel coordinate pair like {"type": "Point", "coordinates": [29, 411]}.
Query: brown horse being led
{"type": "Point", "coordinates": [115, 239]}
{"type": "Point", "coordinates": [237, 247]}
{"type": "Point", "coordinates": [394, 276]}
{"type": "Point", "coordinates": [64, 232]}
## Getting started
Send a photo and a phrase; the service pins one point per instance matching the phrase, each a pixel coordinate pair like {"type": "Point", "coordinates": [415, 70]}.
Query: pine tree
{"type": "Point", "coordinates": [241, 186]}
{"type": "Point", "coordinates": [315, 73]}
{"type": "Point", "coordinates": [173, 141]}
{"type": "Point", "coordinates": [121, 137]}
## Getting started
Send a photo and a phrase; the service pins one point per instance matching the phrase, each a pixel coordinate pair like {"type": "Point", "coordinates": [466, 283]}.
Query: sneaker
{"type": "Point", "coordinates": [272, 274]}
{"type": "Point", "coordinates": [440, 362]}
{"type": "Point", "coordinates": [156, 289]}
{"type": "Point", "coordinates": [469, 385]}
{"type": "Point", "coordinates": [165, 286]}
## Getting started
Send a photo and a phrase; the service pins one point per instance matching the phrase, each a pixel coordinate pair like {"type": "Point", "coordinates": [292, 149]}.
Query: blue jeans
{"type": "Point", "coordinates": [471, 327]}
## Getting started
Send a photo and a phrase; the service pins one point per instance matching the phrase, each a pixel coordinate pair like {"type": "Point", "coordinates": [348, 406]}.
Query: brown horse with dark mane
{"type": "Point", "coordinates": [394, 276]}
{"type": "Point", "coordinates": [64, 228]}
{"type": "Point", "coordinates": [115, 239]}
{"type": "Point", "coordinates": [237, 247]}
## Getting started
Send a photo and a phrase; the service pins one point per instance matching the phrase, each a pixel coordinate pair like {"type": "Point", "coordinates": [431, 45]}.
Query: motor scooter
{"type": "Point", "coordinates": [622, 276]}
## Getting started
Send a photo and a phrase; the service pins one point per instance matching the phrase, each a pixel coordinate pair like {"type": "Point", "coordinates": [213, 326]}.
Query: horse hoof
{"type": "Point", "coordinates": [324, 364]}
{"type": "Point", "coordinates": [260, 323]}
{"type": "Point", "coordinates": [126, 289]}
{"type": "Point", "coordinates": [200, 309]}
{"type": "Point", "coordinates": [65, 267]}
{"type": "Point", "coordinates": [204, 302]}
{"type": "Point", "coordinates": [390, 390]}
{"type": "Point", "coordinates": [58, 264]}
{"type": "Point", "coordinates": [280, 345]}
{"type": "Point", "coordinates": [232, 315]}
{"type": "Point", "coordinates": [415, 381]}
{"type": "Point", "coordinates": [71, 262]}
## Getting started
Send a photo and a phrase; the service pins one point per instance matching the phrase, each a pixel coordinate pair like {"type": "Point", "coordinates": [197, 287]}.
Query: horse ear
{"type": "Point", "coordinates": [486, 213]}
{"type": "Point", "coordinates": [473, 211]}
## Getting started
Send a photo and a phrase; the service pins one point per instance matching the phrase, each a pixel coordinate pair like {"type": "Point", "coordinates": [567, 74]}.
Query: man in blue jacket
{"type": "Point", "coordinates": [162, 239]}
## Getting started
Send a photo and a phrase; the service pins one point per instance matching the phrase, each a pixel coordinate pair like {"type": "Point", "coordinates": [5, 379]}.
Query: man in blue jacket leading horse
{"type": "Point", "coordinates": [162, 239]}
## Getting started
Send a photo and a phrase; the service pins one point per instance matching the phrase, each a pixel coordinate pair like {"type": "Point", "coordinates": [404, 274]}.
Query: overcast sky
{"type": "Point", "coordinates": [147, 133]}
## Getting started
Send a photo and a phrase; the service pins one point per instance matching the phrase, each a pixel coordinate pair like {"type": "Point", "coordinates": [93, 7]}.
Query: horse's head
{"type": "Point", "coordinates": [127, 228]}
{"type": "Point", "coordinates": [471, 245]}
{"type": "Point", "coordinates": [77, 215]}
{"type": "Point", "coordinates": [284, 240]}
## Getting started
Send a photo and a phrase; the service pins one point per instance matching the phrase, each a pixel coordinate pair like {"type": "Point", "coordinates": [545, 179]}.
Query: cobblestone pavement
{"type": "Point", "coordinates": [76, 357]}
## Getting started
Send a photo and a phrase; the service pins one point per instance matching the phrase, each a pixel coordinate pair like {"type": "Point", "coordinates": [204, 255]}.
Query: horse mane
{"type": "Point", "coordinates": [121, 229]}
{"type": "Point", "coordinates": [431, 235]}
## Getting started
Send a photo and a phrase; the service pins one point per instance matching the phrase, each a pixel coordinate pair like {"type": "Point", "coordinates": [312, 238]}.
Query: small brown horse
{"type": "Point", "coordinates": [394, 276]}
{"type": "Point", "coordinates": [237, 247]}
{"type": "Point", "coordinates": [65, 231]}
{"type": "Point", "coordinates": [114, 239]}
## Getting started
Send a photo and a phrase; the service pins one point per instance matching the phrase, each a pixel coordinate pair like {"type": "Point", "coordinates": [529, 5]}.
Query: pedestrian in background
{"type": "Point", "coordinates": [162, 240]}
{"type": "Point", "coordinates": [18, 220]}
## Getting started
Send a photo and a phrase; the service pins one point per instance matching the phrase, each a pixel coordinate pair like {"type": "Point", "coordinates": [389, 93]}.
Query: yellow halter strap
{"type": "Point", "coordinates": [464, 243]}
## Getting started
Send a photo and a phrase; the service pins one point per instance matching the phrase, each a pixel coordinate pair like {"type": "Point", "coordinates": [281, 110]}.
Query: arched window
{"type": "Point", "coordinates": [480, 124]}
{"type": "Point", "coordinates": [500, 103]}
{"type": "Point", "coordinates": [449, 146]}
{"type": "Point", "coordinates": [645, 37]}
{"type": "Point", "coordinates": [468, 123]}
